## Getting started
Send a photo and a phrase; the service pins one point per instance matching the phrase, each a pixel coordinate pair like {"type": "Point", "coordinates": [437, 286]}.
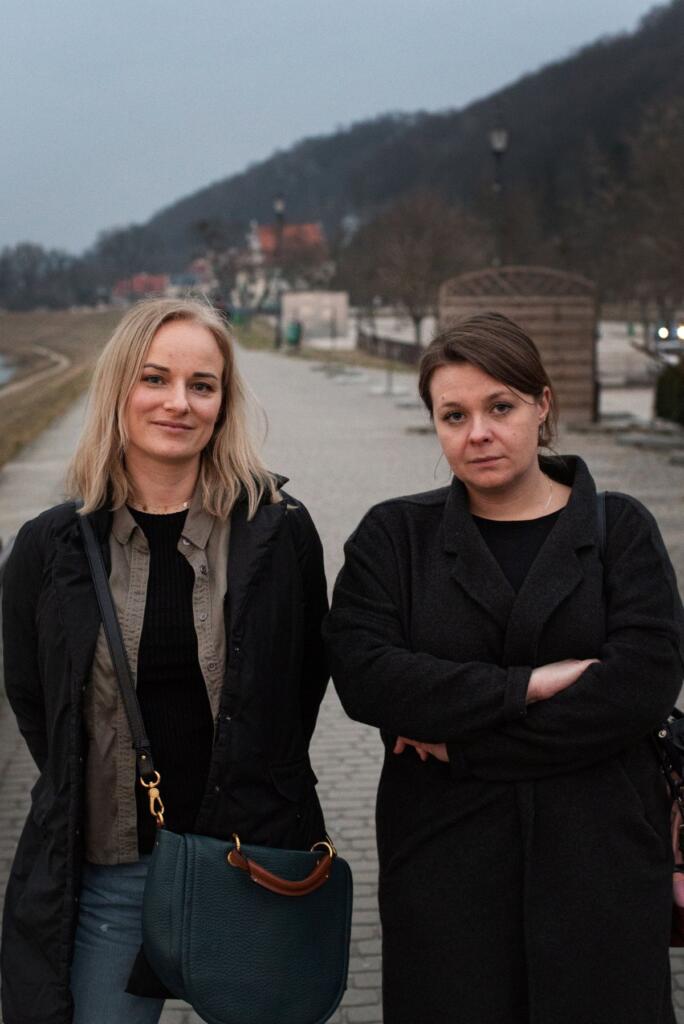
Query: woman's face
{"type": "Point", "coordinates": [172, 410]}
{"type": "Point", "coordinates": [488, 432]}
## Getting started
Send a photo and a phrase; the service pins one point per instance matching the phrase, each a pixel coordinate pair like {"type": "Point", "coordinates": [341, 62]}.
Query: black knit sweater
{"type": "Point", "coordinates": [516, 543]}
{"type": "Point", "coordinates": [170, 686]}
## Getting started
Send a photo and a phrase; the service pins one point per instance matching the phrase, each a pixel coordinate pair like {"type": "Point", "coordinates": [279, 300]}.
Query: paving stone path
{"type": "Point", "coordinates": [343, 450]}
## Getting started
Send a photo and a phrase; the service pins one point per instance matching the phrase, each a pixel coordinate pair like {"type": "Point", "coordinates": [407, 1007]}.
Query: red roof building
{"type": "Point", "coordinates": [293, 239]}
{"type": "Point", "coordinates": [141, 285]}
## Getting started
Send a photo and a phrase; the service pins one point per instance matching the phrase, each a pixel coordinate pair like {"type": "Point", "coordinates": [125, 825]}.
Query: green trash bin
{"type": "Point", "coordinates": [293, 334]}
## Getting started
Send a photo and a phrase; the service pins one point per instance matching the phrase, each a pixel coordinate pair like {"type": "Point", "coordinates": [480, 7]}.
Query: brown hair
{"type": "Point", "coordinates": [501, 349]}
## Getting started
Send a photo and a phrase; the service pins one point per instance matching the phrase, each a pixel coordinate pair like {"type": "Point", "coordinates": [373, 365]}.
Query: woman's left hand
{"type": "Point", "coordinates": [424, 750]}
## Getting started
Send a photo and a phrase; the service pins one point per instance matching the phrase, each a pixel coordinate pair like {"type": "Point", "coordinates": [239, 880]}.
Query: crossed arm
{"type": "Point", "coordinates": [515, 722]}
{"type": "Point", "coordinates": [545, 682]}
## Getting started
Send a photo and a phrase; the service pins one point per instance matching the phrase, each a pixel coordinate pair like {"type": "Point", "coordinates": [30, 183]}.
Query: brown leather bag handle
{"type": "Point", "coordinates": [283, 886]}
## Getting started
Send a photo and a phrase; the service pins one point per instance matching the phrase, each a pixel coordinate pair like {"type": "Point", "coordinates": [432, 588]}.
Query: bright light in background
{"type": "Point", "coordinates": [663, 333]}
{"type": "Point", "coordinates": [680, 332]}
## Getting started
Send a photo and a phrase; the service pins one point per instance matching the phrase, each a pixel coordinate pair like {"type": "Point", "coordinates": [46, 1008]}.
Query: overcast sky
{"type": "Point", "coordinates": [111, 110]}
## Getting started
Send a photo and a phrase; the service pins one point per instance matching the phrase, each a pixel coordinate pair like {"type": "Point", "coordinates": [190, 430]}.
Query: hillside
{"type": "Point", "coordinates": [557, 116]}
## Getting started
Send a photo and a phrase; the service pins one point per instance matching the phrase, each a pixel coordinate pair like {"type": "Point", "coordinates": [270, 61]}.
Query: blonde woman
{"type": "Point", "coordinates": [217, 577]}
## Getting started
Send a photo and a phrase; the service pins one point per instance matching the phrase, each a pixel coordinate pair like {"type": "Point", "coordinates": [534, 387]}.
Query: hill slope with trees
{"type": "Point", "coordinates": [561, 119]}
{"type": "Point", "coordinates": [588, 138]}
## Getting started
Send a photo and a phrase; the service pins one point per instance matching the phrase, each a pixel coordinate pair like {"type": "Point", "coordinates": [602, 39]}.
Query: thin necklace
{"type": "Point", "coordinates": [160, 510]}
{"type": "Point", "coordinates": [548, 500]}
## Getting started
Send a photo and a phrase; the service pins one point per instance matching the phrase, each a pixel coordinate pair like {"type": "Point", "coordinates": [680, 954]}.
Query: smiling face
{"type": "Point", "coordinates": [488, 432]}
{"type": "Point", "coordinates": [172, 410]}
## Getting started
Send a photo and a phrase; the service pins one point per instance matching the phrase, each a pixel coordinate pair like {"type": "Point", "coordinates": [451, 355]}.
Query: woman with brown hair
{"type": "Point", "coordinates": [516, 671]}
{"type": "Point", "coordinates": [217, 579]}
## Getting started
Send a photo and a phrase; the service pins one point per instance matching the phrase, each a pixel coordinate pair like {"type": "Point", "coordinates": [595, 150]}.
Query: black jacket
{"type": "Point", "coordinates": [529, 880]}
{"type": "Point", "coordinates": [260, 782]}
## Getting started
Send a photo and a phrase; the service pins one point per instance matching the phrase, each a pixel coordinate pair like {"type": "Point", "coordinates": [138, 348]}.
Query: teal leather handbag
{"type": "Point", "coordinates": [248, 934]}
{"type": "Point", "coordinates": [245, 934]}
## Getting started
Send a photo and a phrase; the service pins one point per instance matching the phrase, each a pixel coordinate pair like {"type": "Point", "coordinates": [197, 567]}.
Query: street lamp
{"type": "Point", "coordinates": [498, 141]}
{"type": "Point", "coordinates": [279, 216]}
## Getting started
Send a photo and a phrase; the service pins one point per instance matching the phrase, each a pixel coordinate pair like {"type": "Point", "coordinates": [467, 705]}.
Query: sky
{"type": "Point", "coordinates": [111, 111]}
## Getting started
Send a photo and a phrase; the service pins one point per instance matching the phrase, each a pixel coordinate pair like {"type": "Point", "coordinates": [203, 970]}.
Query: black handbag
{"type": "Point", "coordinates": [245, 934]}
{"type": "Point", "coordinates": [669, 744]}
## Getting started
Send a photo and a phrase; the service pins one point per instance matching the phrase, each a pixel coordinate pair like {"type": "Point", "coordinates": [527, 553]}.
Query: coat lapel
{"type": "Point", "coordinates": [76, 594]}
{"type": "Point", "coordinates": [553, 576]}
{"type": "Point", "coordinates": [249, 545]}
{"type": "Point", "coordinates": [556, 571]}
{"type": "Point", "coordinates": [473, 566]}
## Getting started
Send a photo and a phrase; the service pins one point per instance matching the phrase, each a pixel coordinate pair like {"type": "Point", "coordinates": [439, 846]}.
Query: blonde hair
{"type": "Point", "coordinates": [229, 464]}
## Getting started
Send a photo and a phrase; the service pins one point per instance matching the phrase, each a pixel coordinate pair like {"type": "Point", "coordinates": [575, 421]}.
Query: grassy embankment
{"type": "Point", "coordinates": [75, 339]}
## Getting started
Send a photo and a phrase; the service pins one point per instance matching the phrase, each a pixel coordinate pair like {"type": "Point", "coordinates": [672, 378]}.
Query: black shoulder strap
{"type": "Point", "coordinates": [601, 523]}
{"type": "Point", "coordinates": [116, 647]}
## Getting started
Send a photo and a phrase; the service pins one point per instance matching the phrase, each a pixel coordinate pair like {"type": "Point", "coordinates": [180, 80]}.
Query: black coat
{"type": "Point", "coordinates": [529, 880]}
{"type": "Point", "coordinates": [260, 782]}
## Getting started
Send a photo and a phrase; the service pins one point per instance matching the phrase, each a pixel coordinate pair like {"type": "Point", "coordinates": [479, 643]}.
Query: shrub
{"type": "Point", "coordinates": [670, 394]}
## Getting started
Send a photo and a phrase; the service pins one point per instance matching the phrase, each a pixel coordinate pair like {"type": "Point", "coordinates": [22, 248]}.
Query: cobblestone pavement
{"type": "Point", "coordinates": [344, 450]}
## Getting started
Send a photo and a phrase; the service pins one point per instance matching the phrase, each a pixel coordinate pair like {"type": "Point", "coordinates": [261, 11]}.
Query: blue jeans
{"type": "Point", "coordinates": [108, 937]}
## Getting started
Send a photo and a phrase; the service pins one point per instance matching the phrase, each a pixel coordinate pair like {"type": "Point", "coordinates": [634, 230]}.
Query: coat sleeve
{"type": "Point", "coordinates": [315, 671]}
{"type": "Point", "coordinates": [20, 592]}
{"type": "Point", "coordinates": [377, 674]}
{"type": "Point", "coordinates": [631, 691]}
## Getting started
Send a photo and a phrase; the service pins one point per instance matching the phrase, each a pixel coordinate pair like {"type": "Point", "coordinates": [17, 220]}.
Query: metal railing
{"type": "Point", "coordinates": [389, 348]}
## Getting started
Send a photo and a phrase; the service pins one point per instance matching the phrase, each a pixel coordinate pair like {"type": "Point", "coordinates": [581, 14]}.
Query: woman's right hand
{"type": "Point", "coordinates": [548, 680]}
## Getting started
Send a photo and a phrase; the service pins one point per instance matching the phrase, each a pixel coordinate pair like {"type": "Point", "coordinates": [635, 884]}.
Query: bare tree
{"type": "Point", "coordinates": [628, 231]}
{"type": "Point", "coordinates": [220, 242]}
{"type": "Point", "coordinates": [409, 250]}
{"type": "Point", "coordinates": [655, 205]}
{"type": "Point", "coordinates": [122, 252]}
{"type": "Point", "coordinates": [31, 276]}
{"type": "Point", "coordinates": [303, 264]}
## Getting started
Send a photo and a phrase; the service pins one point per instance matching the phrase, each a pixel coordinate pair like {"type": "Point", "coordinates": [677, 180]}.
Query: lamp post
{"type": "Point", "coordinates": [279, 218]}
{"type": "Point", "coordinates": [498, 141]}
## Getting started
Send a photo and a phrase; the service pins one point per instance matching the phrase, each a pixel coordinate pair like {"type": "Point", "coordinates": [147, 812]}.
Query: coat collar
{"type": "Point", "coordinates": [249, 545]}
{"type": "Point", "coordinates": [75, 591]}
{"type": "Point", "coordinates": [250, 541]}
{"type": "Point", "coordinates": [555, 573]}
{"type": "Point", "coordinates": [196, 528]}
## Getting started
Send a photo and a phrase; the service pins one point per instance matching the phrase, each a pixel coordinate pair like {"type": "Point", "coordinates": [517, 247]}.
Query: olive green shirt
{"type": "Point", "coordinates": [111, 835]}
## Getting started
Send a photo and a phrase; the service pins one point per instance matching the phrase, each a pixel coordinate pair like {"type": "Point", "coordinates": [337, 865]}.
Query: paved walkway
{"type": "Point", "coordinates": [343, 450]}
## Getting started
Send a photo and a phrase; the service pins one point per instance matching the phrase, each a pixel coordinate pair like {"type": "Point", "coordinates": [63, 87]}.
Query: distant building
{"type": "Point", "coordinates": [198, 278]}
{"type": "Point", "coordinates": [291, 241]}
{"type": "Point", "coordinates": [140, 286]}
{"type": "Point", "coordinates": [278, 258]}
{"type": "Point", "coordinates": [321, 314]}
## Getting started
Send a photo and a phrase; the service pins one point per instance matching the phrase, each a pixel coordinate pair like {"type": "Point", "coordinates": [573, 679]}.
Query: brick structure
{"type": "Point", "coordinates": [558, 311]}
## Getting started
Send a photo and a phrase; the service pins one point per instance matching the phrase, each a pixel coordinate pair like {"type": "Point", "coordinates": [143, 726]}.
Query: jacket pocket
{"type": "Point", "coordinates": [42, 798]}
{"type": "Point", "coordinates": [293, 779]}
{"type": "Point", "coordinates": [656, 824]}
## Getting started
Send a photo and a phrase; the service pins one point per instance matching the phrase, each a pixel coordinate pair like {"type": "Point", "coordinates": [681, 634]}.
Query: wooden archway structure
{"type": "Point", "coordinates": [559, 312]}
